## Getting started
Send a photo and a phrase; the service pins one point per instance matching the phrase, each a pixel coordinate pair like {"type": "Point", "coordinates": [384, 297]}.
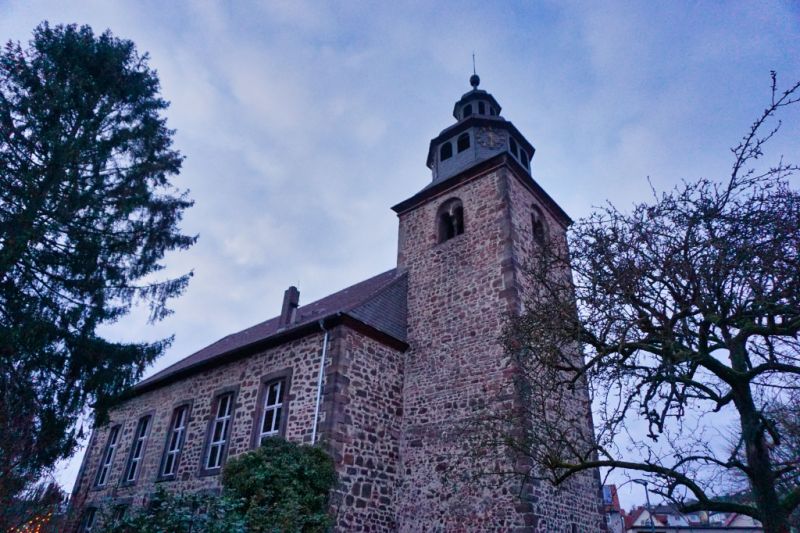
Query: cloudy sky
{"type": "Point", "coordinates": [303, 122]}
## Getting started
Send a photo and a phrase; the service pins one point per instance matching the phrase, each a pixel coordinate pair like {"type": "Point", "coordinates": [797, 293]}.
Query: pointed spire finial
{"type": "Point", "coordinates": [474, 80]}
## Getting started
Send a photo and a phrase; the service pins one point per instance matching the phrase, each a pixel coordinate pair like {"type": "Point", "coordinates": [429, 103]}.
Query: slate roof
{"type": "Point", "coordinates": [379, 302]}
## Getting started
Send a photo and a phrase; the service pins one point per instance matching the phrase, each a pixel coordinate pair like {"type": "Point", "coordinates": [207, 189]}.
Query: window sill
{"type": "Point", "coordinates": [207, 472]}
{"type": "Point", "coordinates": [451, 239]}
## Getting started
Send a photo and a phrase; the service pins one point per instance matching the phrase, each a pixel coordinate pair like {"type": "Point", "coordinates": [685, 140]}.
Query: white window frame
{"type": "Point", "coordinates": [108, 457]}
{"type": "Point", "coordinates": [137, 449]}
{"type": "Point", "coordinates": [222, 420]}
{"type": "Point", "coordinates": [176, 438]}
{"type": "Point", "coordinates": [267, 407]}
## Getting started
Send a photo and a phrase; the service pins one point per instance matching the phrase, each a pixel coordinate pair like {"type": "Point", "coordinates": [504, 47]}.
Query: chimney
{"type": "Point", "coordinates": [291, 299]}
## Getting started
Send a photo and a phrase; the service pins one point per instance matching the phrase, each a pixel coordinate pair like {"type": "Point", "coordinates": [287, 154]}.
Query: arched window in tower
{"type": "Point", "coordinates": [539, 226]}
{"type": "Point", "coordinates": [450, 219]}
{"type": "Point", "coordinates": [463, 142]}
{"type": "Point", "coordinates": [446, 151]}
{"type": "Point", "coordinates": [481, 108]}
{"type": "Point", "coordinates": [513, 145]}
{"type": "Point", "coordinates": [467, 110]}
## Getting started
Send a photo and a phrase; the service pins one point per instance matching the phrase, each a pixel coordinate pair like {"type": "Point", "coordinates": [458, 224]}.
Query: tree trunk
{"type": "Point", "coordinates": [762, 476]}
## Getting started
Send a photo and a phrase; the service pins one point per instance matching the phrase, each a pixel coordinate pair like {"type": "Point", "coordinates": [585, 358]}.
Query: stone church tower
{"type": "Point", "coordinates": [465, 241]}
{"type": "Point", "coordinates": [387, 374]}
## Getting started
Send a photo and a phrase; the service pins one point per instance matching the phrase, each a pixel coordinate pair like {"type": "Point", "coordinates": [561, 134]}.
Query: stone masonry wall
{"type": "Point", "coordinates": [359, 422]}
{"type": "Point", "coordinates": [578, 501]}
{"type": "Point", "coordinates": [393, 421]}
{"type": "Point", "coordinates": [456, 308]}
{"type": "Point", "coordinates": [364, 430]}
{"type": "Point", "coordinates": [301, 356]}
{"type": "Point", "coordinates": [460, 292]}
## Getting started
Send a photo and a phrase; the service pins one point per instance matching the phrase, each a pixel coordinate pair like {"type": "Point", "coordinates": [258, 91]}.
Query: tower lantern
{"type": "Point", "coordinates": [480, 133]}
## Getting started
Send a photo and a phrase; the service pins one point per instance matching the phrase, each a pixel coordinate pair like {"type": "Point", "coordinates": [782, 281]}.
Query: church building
{"type": "Point", "coordinates": [379, 373]}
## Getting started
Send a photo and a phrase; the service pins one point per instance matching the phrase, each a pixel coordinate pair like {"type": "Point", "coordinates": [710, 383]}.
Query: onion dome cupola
{"type": "Point", "coordinates": [480, 133]}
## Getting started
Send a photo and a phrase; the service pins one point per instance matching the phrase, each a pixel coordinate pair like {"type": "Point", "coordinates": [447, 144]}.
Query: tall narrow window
{"type": "Point", "coordinates": [137, 449]}
{"type": "Point", "coordinates": [273, 410]}
{"type": "Point", "coordinates": [450, 219]}
{"type": "Point", "coordinates": [89, 516]}
{"type": "Point", "coordinates": [119, 513]}
{"type": "Point", "coordinates": [481, 108]}
{"type": "Point", "coordinates": [107, 457]}
{"type": "Point", "coordinates": [539, 227]}
{"type": "Point", "coordinates": [175, 438]}
{"type": "Point", "coordinates": [446, 151]}
{"type": "Point", "coordinates": [467, 110]}
{"type": "Point", "coordinates": [220, 429]}
{"type": "Point", "coordinates": [463, 142]}
{"type": "Point", "coordinates": [523, 157]}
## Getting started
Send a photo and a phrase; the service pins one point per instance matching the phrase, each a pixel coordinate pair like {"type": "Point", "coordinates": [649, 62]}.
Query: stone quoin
{"type": "Point", "coordinates": [406, 357]}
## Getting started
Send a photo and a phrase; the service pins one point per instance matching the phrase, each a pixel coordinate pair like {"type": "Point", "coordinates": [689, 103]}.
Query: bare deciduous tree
{"type": "Point", "coordinates": [682, 315]}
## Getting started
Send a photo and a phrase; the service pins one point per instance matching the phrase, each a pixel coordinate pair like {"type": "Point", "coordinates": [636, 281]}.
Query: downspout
{"type": "Point", "coordinates": [319, 382]}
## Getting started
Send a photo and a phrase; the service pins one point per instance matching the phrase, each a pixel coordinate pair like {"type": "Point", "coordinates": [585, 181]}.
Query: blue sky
{"type": "Point", "coordinates": [303, 122]}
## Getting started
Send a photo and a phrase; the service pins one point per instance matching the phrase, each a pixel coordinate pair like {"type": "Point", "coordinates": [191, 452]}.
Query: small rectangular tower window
{"type": "Point", "coordinates": [513, 144]}
{"type": "Point", "coordinates": [107, 457]}
{"type": "Point", "coordinates": [220, 430]}
{"type": "Point", "coordinates": [446, 151]}
{"type": "Point", "coordinates": [462, 142]}
{"type": "Point", "coordinates": [175, 438]}
{"type": "Point", "coordinates": [137, 449]}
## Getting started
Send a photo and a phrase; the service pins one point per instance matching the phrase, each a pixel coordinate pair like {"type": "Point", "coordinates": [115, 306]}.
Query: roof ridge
{"type": "Point", "coordinates": [377, 290]}
{"type": "Point", "coordinates": [299, 308]}
{"type": "Point", "coordinates": [321, 313]}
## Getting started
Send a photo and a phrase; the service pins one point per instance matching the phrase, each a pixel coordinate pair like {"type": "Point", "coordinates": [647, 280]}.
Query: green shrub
{"type": "Point", "coordinates": [283, 487]}
{"type": "Point", "coordinates": [279, 487]}
{"type": "Point", "coordinates": [183, 512]}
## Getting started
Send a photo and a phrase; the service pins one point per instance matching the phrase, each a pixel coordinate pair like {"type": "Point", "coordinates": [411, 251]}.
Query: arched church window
{"type": "Point", "coordinates": [539, 226]}
{"type": "Point", "coordinates": [446, 151]}
{"type": "Point", "coordinates": [513, 145]}
{"type": "Point", "coordinates": [467, 110]}
{"type": "Point", "coordinates": [481, 108]}
{"type": "Point", "coordinates": [463, 142]}
{"type": "Point", "coordinates": [450, 219]}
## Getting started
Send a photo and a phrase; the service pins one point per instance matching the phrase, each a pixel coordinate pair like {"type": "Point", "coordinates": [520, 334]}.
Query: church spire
{"type": "Point", "coordinates": [480, 133]}
{"type": "Point", "coordinates": [474, 80]}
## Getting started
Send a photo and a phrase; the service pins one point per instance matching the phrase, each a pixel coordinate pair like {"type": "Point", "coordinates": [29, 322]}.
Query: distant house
{"type": "Point", "coordinates": [639, 520]}
{"type": "Point", "coordinates": [667, 519]}
{"type": "Point", "coordinates": [615, 516]}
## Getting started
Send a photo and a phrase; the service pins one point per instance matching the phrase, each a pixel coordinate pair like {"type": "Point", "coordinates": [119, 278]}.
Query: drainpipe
{"type": "Point", "coordinates": [319, 382]}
